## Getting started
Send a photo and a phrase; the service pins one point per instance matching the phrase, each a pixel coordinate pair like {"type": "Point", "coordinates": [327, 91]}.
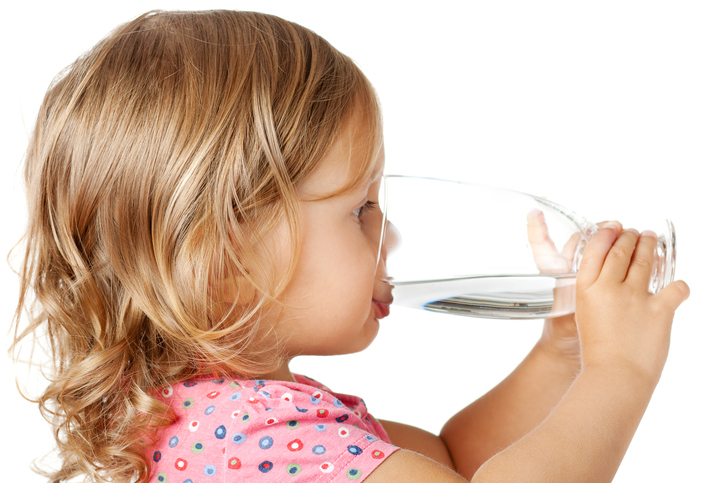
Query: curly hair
{"type": "Point", "coordinates": [159, 161]}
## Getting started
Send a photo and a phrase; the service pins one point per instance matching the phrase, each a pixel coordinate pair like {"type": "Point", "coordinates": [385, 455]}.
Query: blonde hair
{"type": "Point", "coordinates": [159, 161]}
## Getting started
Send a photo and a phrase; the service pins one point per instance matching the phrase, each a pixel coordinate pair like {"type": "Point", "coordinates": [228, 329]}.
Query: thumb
{"type": "Point", "coordinates": [674, 294]}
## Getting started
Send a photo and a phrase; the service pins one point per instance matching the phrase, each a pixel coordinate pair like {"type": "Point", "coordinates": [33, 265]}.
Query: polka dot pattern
{"type": "Point", "coordinates": [267, 431]}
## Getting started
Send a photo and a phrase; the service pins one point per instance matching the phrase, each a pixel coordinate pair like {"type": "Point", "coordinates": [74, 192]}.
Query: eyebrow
{"type": "Point", "coordinates": [376, 174]}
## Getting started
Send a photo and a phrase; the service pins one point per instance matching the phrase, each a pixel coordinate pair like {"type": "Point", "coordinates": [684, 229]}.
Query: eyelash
{"type": "Point", "coordinates": [367, 206]}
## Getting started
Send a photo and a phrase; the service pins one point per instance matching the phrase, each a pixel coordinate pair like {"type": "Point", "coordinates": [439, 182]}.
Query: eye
{"type": "Point", "coordinates": [367, 206]}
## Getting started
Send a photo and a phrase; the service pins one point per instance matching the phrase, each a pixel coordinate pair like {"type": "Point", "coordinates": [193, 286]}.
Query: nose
{"type": "Point", "coordinates": [391, 238]}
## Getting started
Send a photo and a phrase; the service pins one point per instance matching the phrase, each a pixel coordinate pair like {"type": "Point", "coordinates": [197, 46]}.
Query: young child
{"type": "Point", "coordinates": [202, 190]}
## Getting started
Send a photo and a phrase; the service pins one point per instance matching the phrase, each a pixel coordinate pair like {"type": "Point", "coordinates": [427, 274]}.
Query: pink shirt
{"type": "Point", "coordinates": [265, 431]}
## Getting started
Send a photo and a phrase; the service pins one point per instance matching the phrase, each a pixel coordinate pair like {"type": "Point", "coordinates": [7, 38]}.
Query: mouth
{"type": "Point", "coordinates": [382, 309]}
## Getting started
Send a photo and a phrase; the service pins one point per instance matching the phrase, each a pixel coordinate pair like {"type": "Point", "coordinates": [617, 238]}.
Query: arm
{"type": "Point", "coordinates": [526, 397]}
{"type": "Point", "coordinates": [624, 333]}
{"type": "Point", "coordinates": [510, 410]}
{"type": "Point", "coordinates": [584, 439]}
{"type": "Point", "coordinates": [502, 416]}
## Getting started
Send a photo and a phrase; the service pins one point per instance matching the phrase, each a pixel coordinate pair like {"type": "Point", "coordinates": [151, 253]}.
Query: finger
{"type": "Point", "coordinates": [673, 294]}
{"type": "Point", "coordinates": [618, 258]}
{"type": "Point", "coordinates": [545, 253]}
{"type": "Point", "coordinates": [602, 224]}
{"type": "Point", "coordinates": [538, 238]}
{"type": "Point", "coordinates": [594, 256]}
{"type": "Point", "coordinates": [569, 249]}
{"type": "Point", "coordinates": [639, 272]}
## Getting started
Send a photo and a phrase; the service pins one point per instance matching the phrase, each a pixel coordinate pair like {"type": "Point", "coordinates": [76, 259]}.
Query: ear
{"type": "Point", "coordinates": [236, 289]}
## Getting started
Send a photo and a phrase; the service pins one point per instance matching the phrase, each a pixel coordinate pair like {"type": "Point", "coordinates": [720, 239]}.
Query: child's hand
{"type": "Point", "coordinates": [560, 334]}
{"type": "Point", "coordinates": [545, 253]}
{"type": "Point", "coordinates": [619, 322]}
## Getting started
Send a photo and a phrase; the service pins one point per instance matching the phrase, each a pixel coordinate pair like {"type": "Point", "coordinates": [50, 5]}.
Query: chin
{"type": "Point", "coordinates": [369, 333]}
{"type": "Point", "coordinates": [364, 338]}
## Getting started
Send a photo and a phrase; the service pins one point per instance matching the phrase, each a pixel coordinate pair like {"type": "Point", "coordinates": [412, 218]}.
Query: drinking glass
{"type": "Point", "coordinates": [481, 251]}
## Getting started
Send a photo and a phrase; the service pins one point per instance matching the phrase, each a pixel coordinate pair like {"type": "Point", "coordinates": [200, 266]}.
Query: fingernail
{"type": "Point", "coordinates": [649, 233]}
{"type": "Point", "coordinates": [611, 225]}
{"type": "Point", "coordinates": [534, 212]}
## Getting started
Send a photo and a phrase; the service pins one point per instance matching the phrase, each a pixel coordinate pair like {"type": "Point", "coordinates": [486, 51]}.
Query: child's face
{"type": "Point", "coordinates": [336, 297]}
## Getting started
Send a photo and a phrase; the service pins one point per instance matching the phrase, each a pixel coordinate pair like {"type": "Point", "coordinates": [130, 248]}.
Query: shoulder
{"type": "Point", "coordinates": [275, 428]}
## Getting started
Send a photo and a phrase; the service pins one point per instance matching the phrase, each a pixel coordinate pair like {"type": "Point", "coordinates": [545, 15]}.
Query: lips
{"type": "Point", "coordinates": [382, 309]}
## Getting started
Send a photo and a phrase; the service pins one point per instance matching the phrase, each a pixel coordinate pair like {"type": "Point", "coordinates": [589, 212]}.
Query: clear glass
{"type": "Point", "coordinates": [480, 251]}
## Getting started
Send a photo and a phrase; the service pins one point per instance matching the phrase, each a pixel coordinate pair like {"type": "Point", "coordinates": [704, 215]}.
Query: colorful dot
{"type": "Point", "coordinates": [219, 381]}
{"type": "Point", "coordinates": [234, 385]}
{"type": "Point", "coordinates": [238, 438]}
{"type": "Point", "coordinates": [209, 470]}
{"type": "Point", "coordinates": [295, 445]}
{"type": "Point", "coordinates": [293, 469]}
{"type": "Point", "coordinates": [234, 463]}
{"type": "Point", "coordinates": [353, 474]}
{"type": "Point", "coordinates": [355, 450]}
{"type": "Point", "coordinates": [189, 384]}
{"type": "Point", "coordinates": [181, 464]}
{"type": "Point", "coordinates": [266, 466]}
{"type": "Point", "coordinates": [370, 438]}
{"type": "Point", "coordinates": [189, 480]}
{"type": "Point", "coordinates": [287, 397]}
{"type": "Point", "coordinates": [157, 456]}
{"type": "Point", "coordinates": [194, 425]}
{"type": "Point", "coordinates": [235, 396]}
{"type": "Point", "coordinates": [301, 410]}
{"type": "Point", "coordinates": [245, 418]}
{"type": "Point", "coordinates": [326, 467]}
{"type": "Point", "coordinates": [377, 454]}
{"type": "Point", "coordinates": [209, 410]}
{"type": "Point", "coordinates": [188, 402]}
{"type": "Point", "coordinates": [319, 449]}
{"type": "Point", "coordinates": [343, 432]}
{"type": "Point", "coordinates": [342, 418]}
{"type": "Point", "coordinates": [266, 442]}
{"type": "Point", "coordinates": [271, 421]}
{"type": "Point", "coordinates": [235, 414]}
{"type": "Point", "coordinates": [167, 392]}
{"type": "Point", "coordinates": [161, 477]}
{"type": "Point", "coordinates": [320, 427]}
{"type": "Point", "coordinates": [337, 403]}
{"type": "Point", "coordinates": [322, 413]}
{"type": "Point", "coordinates": [213, 394]}
{"type": "Point", "coordinates": [173, 441]}
{"type": "Point", "coordinates": [220, 432]}
{"type": "Point", "coordinates": [197, 447]}
{"type": "Point", "coordinates": [293, 424]}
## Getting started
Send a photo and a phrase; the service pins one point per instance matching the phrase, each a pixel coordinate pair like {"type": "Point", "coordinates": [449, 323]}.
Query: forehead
{"type": "Point", "coordinates": [357, 154]}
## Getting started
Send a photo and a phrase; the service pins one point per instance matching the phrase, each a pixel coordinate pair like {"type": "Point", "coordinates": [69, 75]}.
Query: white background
{"type": "Point", "coordinates": [614, 109]}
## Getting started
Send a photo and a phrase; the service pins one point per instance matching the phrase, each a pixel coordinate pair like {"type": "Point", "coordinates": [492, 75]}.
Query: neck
{"type": "Point", "coordinates": [281, 373]}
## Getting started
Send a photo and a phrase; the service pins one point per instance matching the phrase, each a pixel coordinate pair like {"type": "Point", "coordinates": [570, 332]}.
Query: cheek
{"type": "Point", "coordinates": [339, 269]}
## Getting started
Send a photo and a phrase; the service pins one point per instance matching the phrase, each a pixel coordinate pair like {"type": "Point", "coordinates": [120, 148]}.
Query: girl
{"type": "Point", "coordinates": [202, 190]}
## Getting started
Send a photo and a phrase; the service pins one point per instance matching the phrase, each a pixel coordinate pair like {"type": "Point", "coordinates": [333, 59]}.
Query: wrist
{"type": "Point", "coordinates": [558, 357]}
{"type": "Point", "coordinates": [560, 352]}
{"type": "Point", "coordinates": [626, 375]}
